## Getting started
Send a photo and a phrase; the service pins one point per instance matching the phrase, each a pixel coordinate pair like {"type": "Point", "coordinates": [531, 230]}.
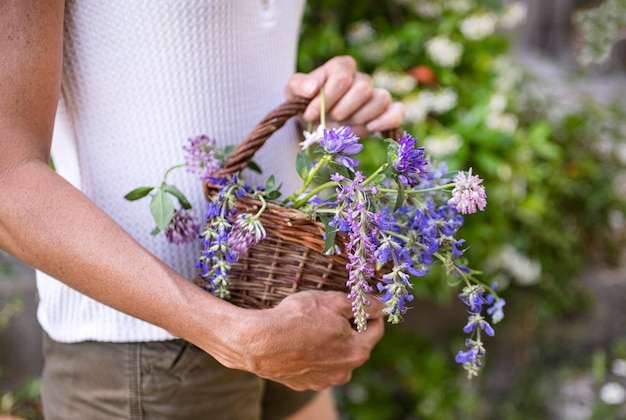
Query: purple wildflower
{"type": "Point", "coordinates": [183, 228]}
{"type": "Point", "coordinates": [246, 232]}
{"type": "Point", "coordinates": [341, 142]}
{"type": "Point", "coordinates": [217, 257]}
{"type": "Point", "coordinates": [360, 246]}
{"type": "Point", "coordinates": [472, 358]}
{"type": "Point", "coordinates": [410, 162]}
{"type": "Point", "coordinates": [200, 158]}
{"type": "Point", "coordinates": [468, 194]}
{"type": "Point", "coordinates": [473, 296]}
{"type": "Point", "coordinates": [395, 286]}
{"type": "Point", "coordinates": [497, 310]}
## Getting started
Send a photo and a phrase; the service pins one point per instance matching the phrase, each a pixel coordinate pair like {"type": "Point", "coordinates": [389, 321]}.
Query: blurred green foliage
{"type": "Point", "coordinates": [554, 206]}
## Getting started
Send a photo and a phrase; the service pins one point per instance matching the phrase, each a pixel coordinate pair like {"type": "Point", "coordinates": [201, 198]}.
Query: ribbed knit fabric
{"type": "Point", "coordinates": [140, 77]}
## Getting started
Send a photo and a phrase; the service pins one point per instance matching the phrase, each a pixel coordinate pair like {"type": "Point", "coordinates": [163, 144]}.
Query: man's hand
{"type": "Point", "coordinates": [350, 97]}
{"type": "Point", "coordinates": [306, 342]}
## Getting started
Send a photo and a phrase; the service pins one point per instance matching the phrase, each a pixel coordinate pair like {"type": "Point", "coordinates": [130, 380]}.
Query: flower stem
{"type": "Point", "coordinates": [180, 165]}
{"type": "Point", "coordinates": [309, 179]}
{"type": "Point", "coordinates": [413, 191]}
{"type": "Point", "coordinates": [299, 203]}
{"type": "Point", "coordinates": [375, 174]}
{"type": "Point", "coordinates": [263, 205]}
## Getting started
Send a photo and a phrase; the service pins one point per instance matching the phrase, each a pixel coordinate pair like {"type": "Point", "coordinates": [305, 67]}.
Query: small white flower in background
{"type": "Point", "coordinates": [444, 52]}
{"type": "Point", "coordinates": [497, 119]}
{"type": "Point", "coordinates": [312, 138]}
{"type": "Point", "coordinates": [508, 74]}
{"type": "Point", "coordinates": [444, 101]}
{"type": "Point", "coordinates": [478, 27]}
{"type": "Point", "coordinates": [375, 51]}
{"type": "Point", "coordinates": [418, 107]}
{"type": "Point", "coordinates": [398, 83]}
{"type": "Point", "coordinates": [359, 32]}
{"type": "Point", "coordinates": [618, 367]}
{"type": "Point", "coordinates": [439, 146]}
{"type": "Point", "coordinates": [522, 269]}
{"type": "Point", "coordinates": [612, 393]}
{"type": "Point", "coordinates": [514, 15]}
{"type": "Point", "coordinates": [460, 6]}
{"type": "Point", "coordinates": [429, 9]}
{"type": "Point", "coordinates": [497, 103]}
{"type": "Point", "coordinates": [504, 122]}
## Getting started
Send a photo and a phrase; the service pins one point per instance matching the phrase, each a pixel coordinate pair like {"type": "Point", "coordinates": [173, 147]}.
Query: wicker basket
{"type": "Point", "coordinates": [290, 258]}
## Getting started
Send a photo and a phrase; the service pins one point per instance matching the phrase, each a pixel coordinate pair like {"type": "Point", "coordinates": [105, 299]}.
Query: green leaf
{"type": "Point", "coordinates": [392, 151]}
{"type": "Point", "coordinates": [273, 195]}
{"type": "Point", "coordinates": [303, 165]}
{"type": "Point", "coordinates": [269, 184]}
{"type": "Point", "coordinates": [400, 196]}
{"type": "Point", "coordinates": [179, 195]}
{"type": "Point", "coordinates": [253, 166]}
{"type": "Point", "coordinates": [162, 209]}
{"type": "Point", "coordinates": [228, 150]}
{"type": "Point", "coordinates": [138, 193]}
{"type": "Point", "coordinates": [155, 231]}
{"type": "Point", "coordinates": [330, 233]}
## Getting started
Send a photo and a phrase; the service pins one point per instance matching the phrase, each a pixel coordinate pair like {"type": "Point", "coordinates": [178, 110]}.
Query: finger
{"type": "Point", "coordinates": [336, 76]}
{"type": "Point", "coordinates": [340, 303]}
{"type": "Point", "coordinates": [360, 94]}
{"type": "Point", "coordinates": [373, 333]}
{"type": "Point", "coordinates": [303, 85]}
{"type": "Point", "coordinates": [376, 106]}
{"type": "Point", "coordinates": [391, 118]}
{"type": "Point", "coordinates": [375, 310]}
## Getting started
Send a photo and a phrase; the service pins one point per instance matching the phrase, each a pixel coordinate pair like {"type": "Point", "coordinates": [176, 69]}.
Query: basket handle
{"type": "Point", "coordinates": [244, 153]}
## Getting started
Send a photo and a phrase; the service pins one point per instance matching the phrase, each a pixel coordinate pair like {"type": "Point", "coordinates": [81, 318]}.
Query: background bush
{"type": "Point", "coordinates": [550, 172]}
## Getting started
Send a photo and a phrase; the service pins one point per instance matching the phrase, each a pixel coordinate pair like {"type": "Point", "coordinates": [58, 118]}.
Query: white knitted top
{"type": "Point", "coordinates": [139, 79]}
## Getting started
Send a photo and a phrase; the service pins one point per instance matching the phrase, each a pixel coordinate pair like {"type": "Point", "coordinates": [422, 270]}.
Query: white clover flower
{"type": "Point", "coordinates": [444, 52]}
{"type": "Point", "coordinates": [312, 138]}
{"type": "Point", "coordinates": [398, 83]}
{"type": "Point", "coordinates": [514, 15]}
{"type": "Point", "coordinates": [439, 146]}
{"type": "Point", "coordinates": [612, 393]}
{"type": "Point", "coordinates": [359, 32]}
{"type": "Point", "coordinates": [478, 27]}
{"type": "Point", "coordinates": [444, 101]}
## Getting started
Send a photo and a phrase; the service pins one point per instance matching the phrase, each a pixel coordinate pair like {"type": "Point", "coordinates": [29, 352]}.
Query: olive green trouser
{"type": "Point", "coordinates": [154, 380]}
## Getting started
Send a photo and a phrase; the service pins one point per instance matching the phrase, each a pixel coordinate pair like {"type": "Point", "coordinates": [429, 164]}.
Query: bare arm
{"type": "Point", "coordinates": [306, 342]}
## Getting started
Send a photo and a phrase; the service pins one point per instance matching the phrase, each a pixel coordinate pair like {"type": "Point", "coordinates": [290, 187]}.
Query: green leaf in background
{"type": "Point", "coordinates": [269, 184]}
{"type": "Point", "coordinates": [138, 193]}
{"type": "Point", "coordinates": [162, 209]}
{"type": "Point", "coordinates": [179, 196]}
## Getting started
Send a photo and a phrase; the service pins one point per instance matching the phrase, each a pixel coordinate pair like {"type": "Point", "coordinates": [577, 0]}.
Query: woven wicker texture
{"type": "Point", "coordinates": [290, 258]}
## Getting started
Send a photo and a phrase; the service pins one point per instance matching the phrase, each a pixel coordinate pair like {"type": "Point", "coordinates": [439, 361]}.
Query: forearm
{"type": "Point", "coordinates": [50, 225]}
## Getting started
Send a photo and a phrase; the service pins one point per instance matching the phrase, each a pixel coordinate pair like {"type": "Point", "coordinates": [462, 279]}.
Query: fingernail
{"type": "Point", "coordinates": [373, 126]}
{"type": "Point", "coordinates": [310, 87]}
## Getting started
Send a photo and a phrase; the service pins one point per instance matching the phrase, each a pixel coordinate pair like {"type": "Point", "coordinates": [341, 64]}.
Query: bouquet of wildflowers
{"type": "Point", "coordinates": [393, 223]}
